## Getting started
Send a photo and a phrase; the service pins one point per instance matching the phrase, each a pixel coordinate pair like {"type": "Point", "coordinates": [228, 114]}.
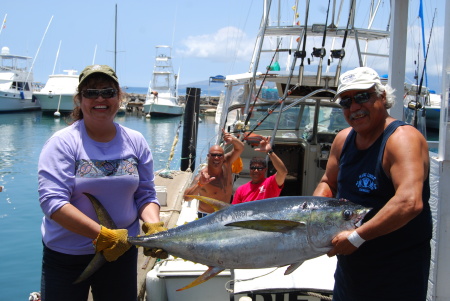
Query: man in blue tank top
{"type": "Point", "coordinates": [381, 163]}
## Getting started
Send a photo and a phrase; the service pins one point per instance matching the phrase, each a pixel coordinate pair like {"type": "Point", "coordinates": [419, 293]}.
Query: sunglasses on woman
{"type": "Point", "coordinates": [359, 98]}
{"type": "Point", "coordinates": [95, 93]}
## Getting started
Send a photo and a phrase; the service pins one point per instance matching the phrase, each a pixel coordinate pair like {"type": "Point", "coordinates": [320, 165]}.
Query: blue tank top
{"type": "Point", "coordinates": [379, 264]}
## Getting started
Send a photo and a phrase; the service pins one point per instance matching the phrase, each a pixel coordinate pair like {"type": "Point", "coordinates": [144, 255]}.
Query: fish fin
{"type": "Point", "coordinates": [210, 273]}
{"type": "Point", "coordinates": [103, 215]}
{"type": "Point", "coordinates": [216, 204]}
{"type": "Point", "coordinates": [97, 261]}
{"type": "Point", "coordinates": [292, 267]}
{"type": "Point", "coordinates": [268, 225]}
{"type": "Point", "coordinates": [105, 220]}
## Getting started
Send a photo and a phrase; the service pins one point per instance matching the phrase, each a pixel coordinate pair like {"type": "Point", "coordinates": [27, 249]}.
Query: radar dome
{"type": "Point", "coordinates": [5, 50]}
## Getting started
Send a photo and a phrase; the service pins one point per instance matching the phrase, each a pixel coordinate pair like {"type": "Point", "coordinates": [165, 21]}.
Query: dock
{"type": "Point", "coordinates": [135, 102]}
{"type": "Point", "coordinates": [170, 193]}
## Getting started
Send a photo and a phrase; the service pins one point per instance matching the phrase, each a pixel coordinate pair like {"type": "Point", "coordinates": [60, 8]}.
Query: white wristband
{"type": "Point", "coordinates": [355, 239]}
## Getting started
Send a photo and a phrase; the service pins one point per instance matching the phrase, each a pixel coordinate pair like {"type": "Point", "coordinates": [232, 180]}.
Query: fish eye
{"type": "Point", "coordinates": [347, 214]}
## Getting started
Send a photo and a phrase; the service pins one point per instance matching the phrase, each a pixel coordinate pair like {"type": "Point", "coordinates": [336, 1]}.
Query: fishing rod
{"type": "Point", "coordinates": [419, 90]}
{"type": "Point", "coordinates": [302, 54]}
{"type": "Point", "coordinates": [321, 52]}
{"type": "Point", "coordinates": [260, 87]}
{"type": "Point", "coordinates": [340, 53]}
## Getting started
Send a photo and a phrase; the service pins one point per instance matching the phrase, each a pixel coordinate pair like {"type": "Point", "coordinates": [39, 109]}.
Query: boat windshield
{"type": "Point", "coordinates": [296, 117]}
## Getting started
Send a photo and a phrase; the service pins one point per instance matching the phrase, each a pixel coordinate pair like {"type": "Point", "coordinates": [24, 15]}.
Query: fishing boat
{"type": "Point", "coordinates": [16, 78]}
{"type": "Point", "coordinates": [162, 95]}
{"type": "Point", "coordinates": [295, 108]}
{"type": "Point", "coordinates": [57, 94]}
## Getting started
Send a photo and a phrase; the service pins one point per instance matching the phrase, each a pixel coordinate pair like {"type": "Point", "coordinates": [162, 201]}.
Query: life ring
{"type": "Point", "coordinates": [253, 139]}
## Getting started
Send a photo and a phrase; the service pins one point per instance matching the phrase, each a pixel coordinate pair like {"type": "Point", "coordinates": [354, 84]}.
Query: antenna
{"type": "Point", "coordinates": [56, 59]}
{"type": "Point", "coordinates": [115, 41]}
{"type": "Point", "coordinates": [37, 52]}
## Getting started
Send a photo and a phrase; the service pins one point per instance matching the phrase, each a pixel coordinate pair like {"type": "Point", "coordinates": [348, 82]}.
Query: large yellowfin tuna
{"type": "Point", "coordinates": [276, 232]}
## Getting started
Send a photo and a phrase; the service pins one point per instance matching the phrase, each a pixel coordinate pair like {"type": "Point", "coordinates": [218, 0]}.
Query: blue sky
{"type": "Point", "coordinates": [208, 37]}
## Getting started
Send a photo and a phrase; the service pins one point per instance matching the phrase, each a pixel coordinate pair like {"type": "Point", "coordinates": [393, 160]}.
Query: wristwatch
{"type": "Point", "coordinates": [270, 152]}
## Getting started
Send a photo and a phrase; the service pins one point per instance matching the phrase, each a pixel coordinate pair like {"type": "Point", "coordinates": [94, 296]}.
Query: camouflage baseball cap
{"type": "Point", "coordinates": [105, 69]}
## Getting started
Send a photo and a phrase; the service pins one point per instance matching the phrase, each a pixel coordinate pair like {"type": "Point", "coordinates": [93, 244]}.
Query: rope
{"type": "Point", "coordinates": [320, 296]}
{"type": "Point", "coordinates": [175, 141]}
{"type": "Point", "coordinates": [312, 294]}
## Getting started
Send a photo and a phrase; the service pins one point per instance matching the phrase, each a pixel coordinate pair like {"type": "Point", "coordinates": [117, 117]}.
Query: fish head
{"type": "Point", "coordinates": [331, 217]}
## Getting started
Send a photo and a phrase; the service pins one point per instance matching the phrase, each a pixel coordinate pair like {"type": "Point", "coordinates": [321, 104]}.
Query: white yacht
{"type": "Point", "coordinates": [57, 94]}
{"type": "Point", "coordinates": [162, 95]}
{"type": "Point", "coordinates": [16, 78]}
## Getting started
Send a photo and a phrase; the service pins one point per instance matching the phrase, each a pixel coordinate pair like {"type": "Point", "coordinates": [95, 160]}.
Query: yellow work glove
{"type": "Point", "coordinates": [113, 243]}
{"type": "Point", "coordinates": [152, 228]}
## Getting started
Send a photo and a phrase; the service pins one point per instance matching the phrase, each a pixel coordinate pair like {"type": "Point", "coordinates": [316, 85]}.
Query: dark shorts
{"type": "Point", "coordinates": [115, 280]}
{"type": "Point", "coordinates": [398, 277]}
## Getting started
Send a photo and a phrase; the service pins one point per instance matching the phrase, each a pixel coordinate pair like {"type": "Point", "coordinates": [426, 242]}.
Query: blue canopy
{"type": "Point", "coordinates": [217, 79]}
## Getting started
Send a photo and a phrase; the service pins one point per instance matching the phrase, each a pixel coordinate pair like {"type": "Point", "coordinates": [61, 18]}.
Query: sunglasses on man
{"type": "Point", "coordinates": [95, 93]}
{"type": "Point", "coordinates": [216, 155]}
{"type": "Point", "coordinates": [257, 168]}
{"type": "Point", "coordinates": [359, 98]}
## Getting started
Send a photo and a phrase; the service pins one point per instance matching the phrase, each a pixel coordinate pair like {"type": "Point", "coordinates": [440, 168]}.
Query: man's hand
{"type": "Point", "coordinates": [152, 228]}
{"type": "Point", "coordinates": [205, 178]}
{"type": "Point", "coordinates": [264, 145]}
{"type": "Point", "coordinates": [342, 246]}
{"type": "Point", "coordinates": [227, 137]}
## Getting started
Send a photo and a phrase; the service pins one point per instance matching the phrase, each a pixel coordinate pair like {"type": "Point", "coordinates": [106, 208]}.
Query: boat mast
{"type": "Point", "coordinates": [37, 52]}
{"type": "Point", "coordinates": [115, 40]}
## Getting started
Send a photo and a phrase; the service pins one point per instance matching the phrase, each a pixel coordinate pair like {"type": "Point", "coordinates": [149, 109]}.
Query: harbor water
{"type": "Point", "coordinates": [22, 136]}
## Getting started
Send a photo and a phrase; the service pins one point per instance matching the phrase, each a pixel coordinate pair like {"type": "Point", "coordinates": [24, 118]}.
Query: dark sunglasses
{"type": "Point", "coordinates": [216, 155]}
{"type": "Point", "coordinates": [95, 93]}
{"type": "Point", "coordinates": [358, 98]}
{"type": "Point", "coordinates": [257, 168]}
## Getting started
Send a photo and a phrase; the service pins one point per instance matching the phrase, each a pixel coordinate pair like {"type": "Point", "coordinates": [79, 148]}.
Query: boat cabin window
{"type": "Point", "coordinates": [21, 86]}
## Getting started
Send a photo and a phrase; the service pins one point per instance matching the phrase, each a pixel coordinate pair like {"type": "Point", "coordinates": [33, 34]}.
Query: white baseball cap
{"type": "Point", "coordinates": [361, 78]}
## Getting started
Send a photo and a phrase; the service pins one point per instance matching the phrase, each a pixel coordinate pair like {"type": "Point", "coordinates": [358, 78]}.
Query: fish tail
{"type": "Point", "coordinates": [210, 273]}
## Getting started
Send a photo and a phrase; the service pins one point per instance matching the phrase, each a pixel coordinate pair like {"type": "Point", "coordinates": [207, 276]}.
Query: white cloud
{"type": "Point", "coordinates": [228, 44]}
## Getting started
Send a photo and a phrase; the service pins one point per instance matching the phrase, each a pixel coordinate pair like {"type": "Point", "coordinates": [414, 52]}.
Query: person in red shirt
{"type": "Point", "coordinates": [261, 187]}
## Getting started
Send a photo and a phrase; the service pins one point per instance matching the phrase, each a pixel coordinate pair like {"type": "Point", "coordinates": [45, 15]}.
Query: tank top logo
{"type": "Point", "coordinates": [262, 189]}
{"type": "Point", "coordinates": [366, 183]}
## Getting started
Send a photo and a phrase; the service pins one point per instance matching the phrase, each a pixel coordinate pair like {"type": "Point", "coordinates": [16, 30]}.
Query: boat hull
{"type": "Point", "coordinates": [10, 102]}
{"type": "Point", "coordinates": [54, 103]}
{"type": "Point", "coordinates": [163, 110]}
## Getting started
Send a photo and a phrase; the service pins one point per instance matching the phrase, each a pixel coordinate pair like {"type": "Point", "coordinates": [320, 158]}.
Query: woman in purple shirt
{"type": "Point", "coordinates": [114, 164]}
